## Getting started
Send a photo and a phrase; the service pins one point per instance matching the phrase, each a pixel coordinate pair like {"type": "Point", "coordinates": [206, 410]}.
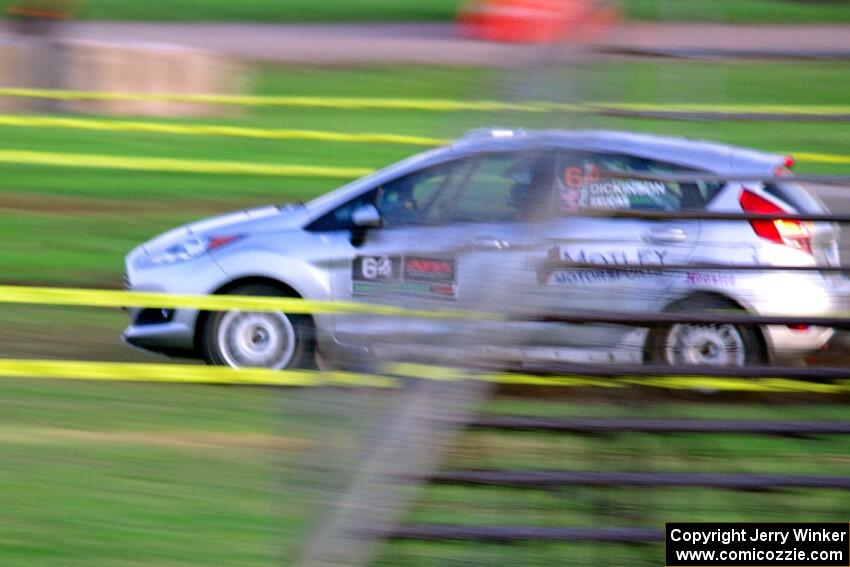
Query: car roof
{"type": "Point", "coordinates": [698, 154]}
{"type": "Point", "coordinates": [716, 158]}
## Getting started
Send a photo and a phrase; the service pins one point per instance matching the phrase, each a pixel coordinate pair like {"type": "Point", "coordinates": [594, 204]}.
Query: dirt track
{"type": "Point", "coordinates": [429, 43]}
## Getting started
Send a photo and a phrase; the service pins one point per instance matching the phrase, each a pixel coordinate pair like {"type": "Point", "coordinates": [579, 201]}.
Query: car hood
{"type": "Point", "coordinates": [248, 221]}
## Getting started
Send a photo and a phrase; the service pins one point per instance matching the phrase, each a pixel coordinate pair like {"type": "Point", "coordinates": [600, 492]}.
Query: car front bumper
{"type": "Point", "coordinates": [173, 338]}
{"type": "Point", "coordinates": [168, 331]}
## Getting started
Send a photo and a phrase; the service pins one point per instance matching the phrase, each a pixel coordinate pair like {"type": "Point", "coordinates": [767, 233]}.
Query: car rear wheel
{"type": "Point", "coordinates": [685, 344]}
{"type": "Point", "coordinates": [251, 339]}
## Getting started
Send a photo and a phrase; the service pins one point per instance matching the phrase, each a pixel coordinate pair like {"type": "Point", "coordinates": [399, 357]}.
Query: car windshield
{"type": "Point", "coordinates": [353, 188]}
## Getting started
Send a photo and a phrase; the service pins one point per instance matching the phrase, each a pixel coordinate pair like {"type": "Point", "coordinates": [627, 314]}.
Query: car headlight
{"type": "Point", "coordinates": [188, 249]}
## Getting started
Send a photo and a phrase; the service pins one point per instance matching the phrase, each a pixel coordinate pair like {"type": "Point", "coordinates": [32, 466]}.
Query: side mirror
{"type": "Point", "coordinates": [366, 216]}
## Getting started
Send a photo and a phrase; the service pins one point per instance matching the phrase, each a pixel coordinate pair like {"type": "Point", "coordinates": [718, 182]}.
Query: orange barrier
{"type": "Point", "coordinates": [535, 21]}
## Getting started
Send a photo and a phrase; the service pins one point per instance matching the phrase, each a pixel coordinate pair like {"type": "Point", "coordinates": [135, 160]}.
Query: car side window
{"type": "Point", "coordinates": [583, 184]}
{"type": "Point", "coordinates": [405, 201]}
{"type": "Point", "coordinates": [502, 187]}
{"type": "Point", "coordinates": [410, 200]}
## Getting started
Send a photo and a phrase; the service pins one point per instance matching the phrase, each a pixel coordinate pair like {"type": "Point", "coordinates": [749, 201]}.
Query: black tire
{"type": "Point", "coordinates": [300, 330]}
{"type": "Point", "coordinates": [656, 351]}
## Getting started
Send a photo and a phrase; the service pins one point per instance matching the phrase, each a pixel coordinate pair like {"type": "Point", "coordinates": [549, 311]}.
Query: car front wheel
{"type": "Point", "coordinates": [252, 339]}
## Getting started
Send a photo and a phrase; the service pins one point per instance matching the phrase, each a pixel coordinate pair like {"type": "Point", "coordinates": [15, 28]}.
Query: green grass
{"type": "Point", "coordinates": [135, 475]}
{"type": "Point", "coordinates": [582, 507]}
{"type": "Point", "coordinates": [73, 226]}
{"type": "Point", "coordinates": [751, 11]}
{"type": "Point", "coordinates": [138, 475]}
{"type": "Point", "coordinates": [39, 332]}
{"type": "Point", "coordinates": [268, 10]}
{"type": "Point", "coordinates": [734, 11]}
{"type": "Point", "coordinates": [618, 507]}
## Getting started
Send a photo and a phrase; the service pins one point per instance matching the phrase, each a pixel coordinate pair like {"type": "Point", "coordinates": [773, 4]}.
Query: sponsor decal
{"type": "Point", "coordinates": [618, 193]}
{"type": "Point", "coordinates": [412, 275]}
{"type": "Point", "coordinates": [583, 188]}
{"type": "Point", "coordinates": [638, 256]}
{"type": "Point", "coordinates": [551, 275]}
{"type": "Point", "coordinates": [710, 278]}
{"type": "Point", "coordinates": [429, 269]}
{"type": "Point", "coordinates": [578, 177]}
{"type": "Point", "coordinates": [591, 277]}
{"type": "Point", "coordinates": [403, 287]}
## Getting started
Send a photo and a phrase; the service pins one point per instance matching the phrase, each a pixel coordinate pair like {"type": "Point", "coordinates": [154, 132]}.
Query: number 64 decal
{"type": "Point", "coordinates": [374, 268]}
{"type": "Point", "coordinates": [371, 268]}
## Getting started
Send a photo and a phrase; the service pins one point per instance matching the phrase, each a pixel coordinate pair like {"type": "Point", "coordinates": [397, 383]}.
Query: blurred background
{"type": "Point", "coordinates": [120, 119]}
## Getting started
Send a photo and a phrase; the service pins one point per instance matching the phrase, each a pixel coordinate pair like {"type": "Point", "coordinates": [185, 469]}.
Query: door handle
{"type": "Point", "coordinates": [665, 235]}
{"type": "Point", "coordinates": [486, 243]}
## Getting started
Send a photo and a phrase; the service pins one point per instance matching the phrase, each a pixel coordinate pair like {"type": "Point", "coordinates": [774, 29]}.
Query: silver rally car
{"type": "Point", "coordinates": [474, 225]}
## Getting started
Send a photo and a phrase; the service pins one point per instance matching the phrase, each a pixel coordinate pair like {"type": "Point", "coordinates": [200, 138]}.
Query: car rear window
{"type": "Point", "coordinates": [796, 196]}
{"type": "Point", "coordinates": [584, 185]}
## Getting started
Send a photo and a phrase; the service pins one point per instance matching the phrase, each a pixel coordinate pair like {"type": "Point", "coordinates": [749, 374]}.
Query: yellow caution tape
{"type": "Point", "coordinates": [377, 103]}
{"type": "Point", "coordinates": [177, 165]}
{"type": "Point", "coordinates": [93, 161]}
{"type": "Point", "coordinates": [213, 130]}
{"type": "Point", "coordinates": [774, 385]}
{"type": "Point", "coordinates": [243, 132]}
{"type": "Point", "coordinates": [184, 374]}
{"type": "Point", "coordinates": [198, 374]}
{"type": "Point", "coordinates": [341, 103]}
{"type": "Point", "coordinates": [115, 298]}
{"type": "Point", "coordinates": [821, 158]}
{"type": "Point", "coordinates": [266, 133]}
{"type": "Point", "coordinates": [811, 109]}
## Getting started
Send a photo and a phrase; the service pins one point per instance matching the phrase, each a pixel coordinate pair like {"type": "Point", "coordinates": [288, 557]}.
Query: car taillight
{"type": "Point", "coordinates": [793, 233]}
